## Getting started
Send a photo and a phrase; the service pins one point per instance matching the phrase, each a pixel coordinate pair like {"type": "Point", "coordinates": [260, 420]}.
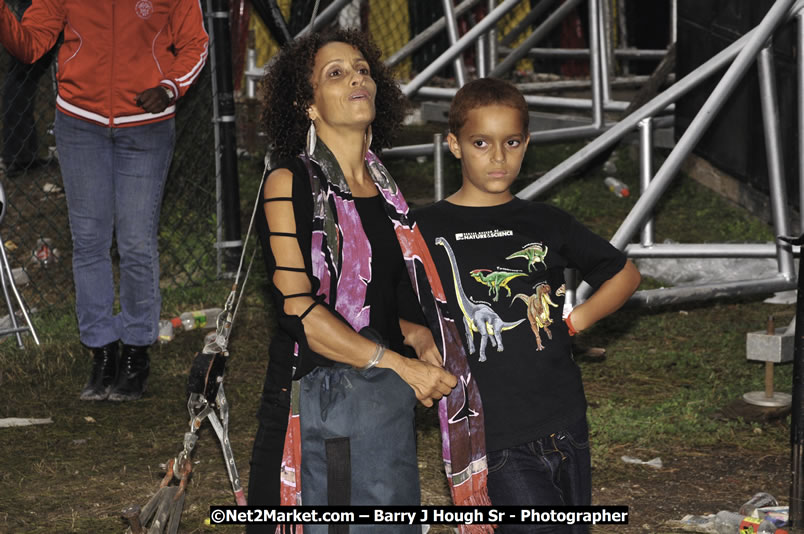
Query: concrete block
{"type": "Point", "coordinates": [764, 347]}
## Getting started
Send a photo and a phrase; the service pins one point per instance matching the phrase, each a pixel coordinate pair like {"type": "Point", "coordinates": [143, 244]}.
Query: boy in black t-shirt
{"type": "Point", "coordinates": [501, 260]}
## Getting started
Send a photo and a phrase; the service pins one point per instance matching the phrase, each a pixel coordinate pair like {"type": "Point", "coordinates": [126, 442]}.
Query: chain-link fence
{"type": "Point", "coordinates": [35, 228]}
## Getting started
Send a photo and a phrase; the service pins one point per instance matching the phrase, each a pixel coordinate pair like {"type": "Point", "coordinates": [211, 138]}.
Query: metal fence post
{"type": "Point", "coordinates": [800, 74]}
{"type": "Point", "coordinates": [225, 138]}
{"type": "Point", "coordinates": [796, 510]}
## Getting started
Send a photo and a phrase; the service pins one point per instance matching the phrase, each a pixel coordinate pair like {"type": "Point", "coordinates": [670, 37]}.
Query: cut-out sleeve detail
{"type": "Point", "coordinates": [320, 334]}
{"type": "Point", "coordinates": [292, 269]}
{"type": "Point", "coordinates": [285, 227]}
{"type": "Point", "coordinates": [293, 296]}
{"type": "Point", "coordinates": [309, 309]}
{"type": "Point", "coordinates": [286, 234]}
{"type": "Point", "coordinates": [290, 274]}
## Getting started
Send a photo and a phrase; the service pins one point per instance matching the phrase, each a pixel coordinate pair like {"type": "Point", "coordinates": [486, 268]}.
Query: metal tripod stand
{"type": "Point", "coordinates": [7, 281]}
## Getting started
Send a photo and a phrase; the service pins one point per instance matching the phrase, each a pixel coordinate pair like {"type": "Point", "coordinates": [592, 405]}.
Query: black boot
{"type": "Point", "coordinates": [133, 374]}
{"type": "Point", "coordinates": [104, 372]}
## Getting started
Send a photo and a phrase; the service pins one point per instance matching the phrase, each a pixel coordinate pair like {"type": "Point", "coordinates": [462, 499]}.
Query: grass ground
{"type": "Point", "coordinates": [663, 390]}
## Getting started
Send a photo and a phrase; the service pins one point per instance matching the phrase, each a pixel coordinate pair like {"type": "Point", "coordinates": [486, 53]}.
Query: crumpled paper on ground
{"type": "Point", "coordinates": [23, 421]}
{"type": "Point", "coordinates": [656, 463]}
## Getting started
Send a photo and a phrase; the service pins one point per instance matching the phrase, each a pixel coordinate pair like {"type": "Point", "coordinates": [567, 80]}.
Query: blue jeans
{"type": "Point", "coordinates": [370, 414]}
{"type": "Point", "coordinates": [114, 179]}
{"type": "Point", "coordinates": [552, 471]}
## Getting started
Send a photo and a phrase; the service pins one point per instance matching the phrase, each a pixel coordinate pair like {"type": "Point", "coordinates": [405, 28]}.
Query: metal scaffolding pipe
{"type": "Point", "coordinates": [661, 101]}
{"type": "Point", "coordinates": [705, 292]}
{"type": "Point", "coordinates": [621, 81]}
{"type": "Point", "coordinates": [698, 126]}
{"type": "Point", "coordinates": [604, 44]}
{"type": "Point", "coordinates": [480, 56]}
{"type": "Point", "coordinates": [646, 172]}
{"type": "Point", "coordinates": [673, 21]}
{"type": "Point", "coordinates": [773, 150]}
{"type": "Point", "coordinates": [703, 250]}
{"type": "Point", "coordinates": [492, 39]}
{"type": "Point", "coordinates": [595, 64]}
{"type": "Point", "coordinates": [251, 64]}
{"type": "Point", "coordinates": [538, 34]}
{"type": "Point", "coordinates": [569, 133]}
{"type": "Point", "coordinates": [325, 16]}
{"type": "Point", "coordinates": [448, 93]}
{"type": "Point", "coordinates": [535, 12]}
{"type": "Point", "coordinates": [539, 136]}
{"type": "Point", "coordinates": [452, 34]}
{"type": "Point", "coordinates": [465, 41]}
{"type": "Point", "coordinates": [438, 167]}
{"type": "Point", "coordinates": [272, 17]}
{"type": "Point", "coordinates": [424, 36]}
{"type": "Point", "coordinates": [582, 53]}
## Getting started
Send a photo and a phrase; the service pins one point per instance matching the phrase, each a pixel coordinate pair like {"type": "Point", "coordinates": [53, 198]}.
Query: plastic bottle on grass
{"type": "Point", "coordinates": [200, 318]}
{"type": "Point", "coordinates": [758, 501]}
{"type": "Point", "coordinates": [728, 522]}
{"type": "Point", "coordinates": [167, 329]}
{"type": "Point", "coordinates": [617, 187]}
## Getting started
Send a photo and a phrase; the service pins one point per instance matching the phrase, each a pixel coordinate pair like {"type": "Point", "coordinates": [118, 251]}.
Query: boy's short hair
{"type": "Point", "coordinates": [485, 92]}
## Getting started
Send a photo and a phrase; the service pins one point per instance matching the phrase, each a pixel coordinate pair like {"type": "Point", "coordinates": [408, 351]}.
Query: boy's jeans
{"type": "Point", "coordinates": [552, 471]}
{"type": "Point", "coordinates": [114, 179]}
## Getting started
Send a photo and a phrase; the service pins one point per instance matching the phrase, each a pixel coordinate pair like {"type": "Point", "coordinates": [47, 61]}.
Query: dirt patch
{"type": "Point", "coordinates": [77, 474]}
{"type": "Point", "coordinates": [691, 481]}
{"type": "Point", "coordinates": [702, 481]}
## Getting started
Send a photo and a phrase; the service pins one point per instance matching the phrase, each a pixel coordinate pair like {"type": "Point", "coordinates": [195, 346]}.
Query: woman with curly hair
{"type": "Point", "coordinates": [337, 244]}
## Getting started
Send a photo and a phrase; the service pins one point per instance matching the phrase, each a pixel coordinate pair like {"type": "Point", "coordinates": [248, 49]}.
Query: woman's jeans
{"type": "Point", "coordinates": [114, 179]}
{"type": "Point", "coordinates": [552, 471]}
{"type": "Point", "coordinates": [358, 443]}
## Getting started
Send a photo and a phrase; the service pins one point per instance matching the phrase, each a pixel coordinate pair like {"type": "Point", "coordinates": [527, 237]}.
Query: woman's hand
{"type": "Point", "coordinates": [429, 382]}
{"type": "Point", "coordinates": [420, 338]}
{"type": "Point", "coordinates": [154, 100]}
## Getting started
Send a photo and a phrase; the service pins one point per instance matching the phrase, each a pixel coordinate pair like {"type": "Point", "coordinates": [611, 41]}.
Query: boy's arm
{"type": "Point", "coordinates": [607, 299]}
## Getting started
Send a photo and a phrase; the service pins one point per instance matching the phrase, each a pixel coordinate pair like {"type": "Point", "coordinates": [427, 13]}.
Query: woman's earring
{"type": "Point", "coordinates": [368, 138]}
{"type": "Point", "coordinates": [311, 139]}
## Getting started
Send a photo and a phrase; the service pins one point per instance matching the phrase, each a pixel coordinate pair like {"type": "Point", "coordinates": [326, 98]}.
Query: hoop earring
{"type": "Point", "coordinates": [311, 139]}
{"type": "Point", "coordinates": [368, 139]}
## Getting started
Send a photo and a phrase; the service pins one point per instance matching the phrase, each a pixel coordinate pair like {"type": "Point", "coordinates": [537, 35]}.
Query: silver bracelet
{"type": "Point", "coordinates": [375, 359]}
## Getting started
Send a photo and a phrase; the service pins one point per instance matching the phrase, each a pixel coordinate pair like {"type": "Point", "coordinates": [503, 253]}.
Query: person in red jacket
{"type": "Point", "coordinates": [121, 68]}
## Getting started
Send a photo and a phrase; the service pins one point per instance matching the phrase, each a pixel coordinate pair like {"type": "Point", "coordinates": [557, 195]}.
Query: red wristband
{"type": "Point", "coordinates": [571, 328]}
